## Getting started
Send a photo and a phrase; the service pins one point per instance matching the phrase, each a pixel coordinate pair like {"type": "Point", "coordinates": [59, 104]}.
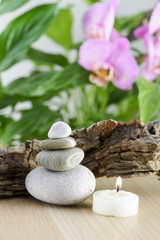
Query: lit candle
{"type": "Point", "coordinates": [117, 203]}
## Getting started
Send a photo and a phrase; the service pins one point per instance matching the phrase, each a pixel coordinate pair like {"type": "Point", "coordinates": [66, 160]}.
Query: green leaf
{"type": "Point", "coordinates": [35, 85]}
{"type": "Point", "coordinates": [39, 83]}
{"type": "Point", "coordinates": [128, 24]}
{"type": "Point", "coordinates": [10, 5]}
{"type": "Point", "coordinates": [1, 88]}
{"type": "Point", "coordinates": [43, 57]}
{"type": "Point", "coordinates": [60, 30]}
{"type": "Point", "coordinates": [127, 108]}
{"type": "Point", "coordinates": [116, 94]}
{"type": "Point", "coordinates": [22, 32]}
{"type": "Point", "coordinates": [76, 46]}
{"type": "Point", "coordinates": [90, 2]}
{"type": "Point", "coordinates": [149, 95]}
{"type": "Point", "coordinates": [4, 121]}
{"type": "Point", "coordinates": [72, 75]}
{"type": "Point", "coordinates": [34, 123]}
{"type": "Point", "coordinates": [5, 101]}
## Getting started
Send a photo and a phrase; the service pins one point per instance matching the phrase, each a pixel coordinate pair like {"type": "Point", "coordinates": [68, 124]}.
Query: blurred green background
{"type": "Point", "coordinates": [58, 88]}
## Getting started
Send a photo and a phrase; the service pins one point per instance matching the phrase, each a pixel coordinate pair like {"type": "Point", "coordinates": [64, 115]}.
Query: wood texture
{"type": "Point", "coordinates": [30, 219]}
{"type": "Point", "coordinates": [111, 148]}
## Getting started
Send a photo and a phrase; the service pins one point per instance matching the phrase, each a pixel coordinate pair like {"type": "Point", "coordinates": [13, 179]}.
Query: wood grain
{"type": "Point", "coordinates": [30, 219]}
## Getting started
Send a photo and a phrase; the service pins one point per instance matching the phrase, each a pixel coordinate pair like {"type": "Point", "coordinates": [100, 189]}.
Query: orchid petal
{"type": "Point", "coordinates": [141, 31]}
{"type": "Point", "coordinates": [120, 45]}
{"type": "Point", "coordinates": [115, 3]}
{"type": "Point", "coordinates": [109, 22]}
{"type": "Point", "coordinates": [100, 18]}
{"type": "Point", "coordinates": [126, 71]}
{"type": "Point", "coordinates": [151, 66]}
{"type": "Point", "coordinates": [98, 81]}
{"type": "Point", "coordinates": [154, 23]}
{"type": "Point", "coordinates": [125, 66]}
{"type": "Point", "coordinates": [157, 47]}
{"type": "Point", "coordinates": [110, 17]}
{"type": "Point", "coordinates": [150, 50]}
{"type": "Point", "coordinates": [95, 15]}
{"type": "Point", "coordinates": [145, 72]}
{"type": "Point", "coordinates": [93, 51]}
{"type": "Point", "coordinates": [115, 34]}
{"type": "Point", "coordinates": [115, 54]}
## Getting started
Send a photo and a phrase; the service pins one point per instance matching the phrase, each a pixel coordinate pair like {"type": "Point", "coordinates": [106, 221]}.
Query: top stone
{"type": "Point", "coordinates": [59, 130]}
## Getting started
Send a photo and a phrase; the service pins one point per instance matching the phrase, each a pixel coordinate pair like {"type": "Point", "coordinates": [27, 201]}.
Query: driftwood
{"type": "Point", "coordinates": [111, 148]}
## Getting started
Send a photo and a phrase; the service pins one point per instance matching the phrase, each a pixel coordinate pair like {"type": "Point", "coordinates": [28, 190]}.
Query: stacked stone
{"type": "Point", "coordinates": [60, 179]}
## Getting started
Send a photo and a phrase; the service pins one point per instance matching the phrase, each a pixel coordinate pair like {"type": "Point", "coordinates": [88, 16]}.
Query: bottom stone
{"type": "Point", "coordinates": [62, 188]}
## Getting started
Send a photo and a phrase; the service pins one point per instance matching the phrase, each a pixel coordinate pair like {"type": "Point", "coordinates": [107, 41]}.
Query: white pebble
{"type": "Point", "coordinates": [62, 188]}
{"type": "Point", "coordinates": [59, 130]}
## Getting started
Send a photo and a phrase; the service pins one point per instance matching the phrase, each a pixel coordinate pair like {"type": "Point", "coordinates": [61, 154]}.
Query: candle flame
{"type": "Point", "coordinates": [118, 183]}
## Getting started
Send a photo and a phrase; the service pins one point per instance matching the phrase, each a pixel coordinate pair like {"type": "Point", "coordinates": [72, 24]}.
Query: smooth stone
{"type": "Point", "coordinates": [62, 188]}
{"type": "Point", "coordinates": [59, 130]}
{"type": "Point", "coordinates": [58, 143]}
{"type": "Point", "coordinates": [60, 160]}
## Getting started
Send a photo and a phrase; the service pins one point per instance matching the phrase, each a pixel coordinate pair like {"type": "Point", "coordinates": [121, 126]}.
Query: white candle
{"type": "Point", "coordinates": [115, 203]}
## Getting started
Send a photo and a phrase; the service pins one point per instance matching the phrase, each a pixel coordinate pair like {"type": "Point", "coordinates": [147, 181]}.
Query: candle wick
{"type": "Point", "coordinates": [118, 189]}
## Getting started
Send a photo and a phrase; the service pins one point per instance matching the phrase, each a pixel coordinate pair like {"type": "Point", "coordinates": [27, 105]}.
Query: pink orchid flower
{"type": "Point", "coordinates": [98, 21]}
{"type": "Point", "coordinates": [109, 62]}
{"type": "Point", "coordinates": [150, 32]}
{"type": "Point", "coordinates": [151, 65]}
{"type": "Point", "coordinates": [152, 26]}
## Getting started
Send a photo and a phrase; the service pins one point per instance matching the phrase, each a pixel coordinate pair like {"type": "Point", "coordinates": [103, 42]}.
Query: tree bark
{"type": "Point", "coordinates": [111, 148]}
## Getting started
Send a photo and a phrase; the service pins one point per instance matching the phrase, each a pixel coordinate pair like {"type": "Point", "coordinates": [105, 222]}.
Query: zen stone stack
{"type": "Point", "coordinates": [60, 179]}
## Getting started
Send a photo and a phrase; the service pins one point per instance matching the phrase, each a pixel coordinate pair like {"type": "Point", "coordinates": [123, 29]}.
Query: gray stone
{"type": "Point", "coordinates": [59, 130]}
{"type": "Point", "coordinates": [58, 143]}
{"type": "Point", "coordinates": [60, 160]}
{"type": "Point", "coordinates": [62, 188]}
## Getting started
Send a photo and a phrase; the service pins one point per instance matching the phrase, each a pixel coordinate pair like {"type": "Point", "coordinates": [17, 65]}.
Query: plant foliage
{"type": "Point", "coordinates": [58, 89]}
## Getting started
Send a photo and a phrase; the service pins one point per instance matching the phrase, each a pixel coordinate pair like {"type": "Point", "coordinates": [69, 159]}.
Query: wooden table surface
{"type": "Point", "coordinates": [28, 218]}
